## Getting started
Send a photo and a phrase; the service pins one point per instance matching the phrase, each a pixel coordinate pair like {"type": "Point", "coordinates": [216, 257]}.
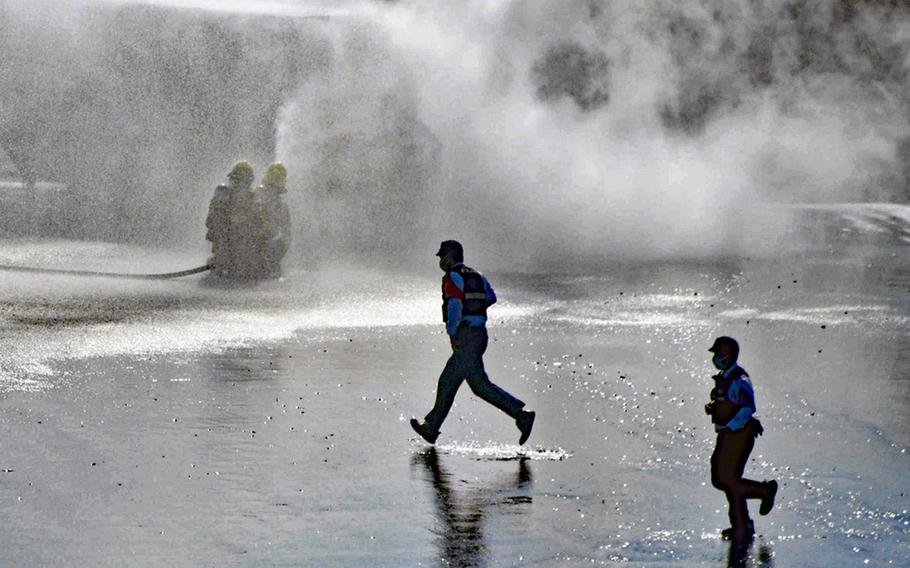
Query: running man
{"type": "Point", "coordinates": [731, 408]}
{"type": "Point", "coordinates": [466, 295]}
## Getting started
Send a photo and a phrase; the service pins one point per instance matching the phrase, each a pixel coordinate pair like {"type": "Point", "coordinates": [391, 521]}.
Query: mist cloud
{"type": "Point", "coordinates": [612, 129]}
{"type": "Point", "coordinates": [567, 130]}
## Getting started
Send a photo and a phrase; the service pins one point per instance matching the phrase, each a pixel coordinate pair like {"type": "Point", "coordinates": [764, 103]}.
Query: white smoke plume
{"type": "Point", "coordinates": [565, 130]}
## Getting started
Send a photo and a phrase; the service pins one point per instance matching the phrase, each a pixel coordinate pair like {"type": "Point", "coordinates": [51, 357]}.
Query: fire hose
{"type": "Point", "coordinates": [159, 276]}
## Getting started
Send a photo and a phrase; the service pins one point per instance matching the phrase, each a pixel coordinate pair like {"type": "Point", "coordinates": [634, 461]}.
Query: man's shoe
{"type": "Point", "coordinates": [424, 432]}
{"type": "Point", "coordinates": [727, 533]}
{"type": "Point", "coordinates": [767, 502]}
{"type": "Point", "coordinates": [525, 422]}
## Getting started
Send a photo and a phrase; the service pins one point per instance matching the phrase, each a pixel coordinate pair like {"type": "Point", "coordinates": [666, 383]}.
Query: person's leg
{"type": "Point", "coordinates": [219, 255]}
{"type": "Point", "coordinates": [475, 345]}
{"type": "Point", "coordinates": [751, 489]}
{"type": "Point", "coordinates": [740, 445]}
{"type": "Point", "coordinates": [719, 474]}
{"type": "Point", "coordinates": [745, 442]}
{"type": "Point", "coordinates": [725, 462]}
{"type": "Point", "coordinates": [446, 388]}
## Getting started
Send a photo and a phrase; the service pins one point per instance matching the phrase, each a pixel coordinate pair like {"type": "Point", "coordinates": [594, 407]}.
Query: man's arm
{"type": "Point", "coordinates": [742, 394]}
{"type": "Point", "coordinates": [740, 419]}
{"type": "Point", "coordinates": [453, 286]}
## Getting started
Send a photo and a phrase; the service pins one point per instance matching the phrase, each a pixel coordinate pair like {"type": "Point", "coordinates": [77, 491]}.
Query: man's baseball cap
{"type": "Point", "coordinates": [445, 247]}
{"type": "Point", "coordinates": [724, 341]}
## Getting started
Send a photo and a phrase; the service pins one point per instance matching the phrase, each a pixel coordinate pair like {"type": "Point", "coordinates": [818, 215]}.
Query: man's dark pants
{"type": "Point", "coordinates": [466, 363]}
{"type": "Point", "coordinates": [728, 462]}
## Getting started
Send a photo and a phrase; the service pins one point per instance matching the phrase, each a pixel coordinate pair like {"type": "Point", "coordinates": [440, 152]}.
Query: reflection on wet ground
{"type": "Point", "coordinates": [462, 506]}
{"type": "Point", "coordinates": [763, 557]}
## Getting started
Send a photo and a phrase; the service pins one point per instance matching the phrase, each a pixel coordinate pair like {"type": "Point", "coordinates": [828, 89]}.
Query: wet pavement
{"type": "Point", "coordinates": [269, 426]}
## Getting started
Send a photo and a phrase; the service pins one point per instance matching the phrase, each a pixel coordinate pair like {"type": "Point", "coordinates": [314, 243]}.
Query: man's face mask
{"type": "Point", "coordinates": [443, 264]}
{"type": "Point", "coordinates": [718, 363]}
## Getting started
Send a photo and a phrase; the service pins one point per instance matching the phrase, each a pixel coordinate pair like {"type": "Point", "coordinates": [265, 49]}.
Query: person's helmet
{"type": "Point", "coordinates": [725, 343]}
{"type": "Point", "coordinates": [276, 176]}
{"type": "Point", "coordinates": [242, 174]}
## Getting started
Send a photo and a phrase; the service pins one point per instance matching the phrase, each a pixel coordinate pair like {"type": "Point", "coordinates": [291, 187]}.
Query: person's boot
{"type": "Point", "coordinates": [767, 502]}
{"type": "Point", "coordinates": [525, 422]}
{"type": "Point", "coordinates": [424, 431]}
{"type": "Point", "coordinates": [727, 533]}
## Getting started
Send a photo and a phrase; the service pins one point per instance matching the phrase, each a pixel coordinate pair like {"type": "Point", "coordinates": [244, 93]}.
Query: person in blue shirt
{"type": "Point", "coordinates": [466, 295]}
{"type": "Point", "coordinates": [731, 409]}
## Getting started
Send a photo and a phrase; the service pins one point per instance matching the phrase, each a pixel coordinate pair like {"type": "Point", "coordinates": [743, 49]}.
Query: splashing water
{"type": "Point", "coordinates": [504, 452]}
